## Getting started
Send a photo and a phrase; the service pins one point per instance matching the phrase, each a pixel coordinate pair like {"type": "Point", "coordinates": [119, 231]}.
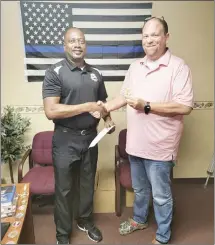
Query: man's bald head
{"type": "Point", "coordinates": [71, 30]}
{"type": "Point", "coordinates": [159, 20]}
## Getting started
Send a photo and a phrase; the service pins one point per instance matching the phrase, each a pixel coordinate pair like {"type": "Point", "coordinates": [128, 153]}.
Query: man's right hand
{"type": "Point", "coordinates": [96, 109]}
{"type": "Point", "coordinates": [101, 112]}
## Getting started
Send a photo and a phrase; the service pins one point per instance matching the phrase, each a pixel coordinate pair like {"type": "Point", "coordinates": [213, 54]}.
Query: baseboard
{"type": "Point", "coordinates": [192, 180]}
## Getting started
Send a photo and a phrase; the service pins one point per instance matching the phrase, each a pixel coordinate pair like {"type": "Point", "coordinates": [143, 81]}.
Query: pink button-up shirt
{"type": "Point", "coordinates": [152, 136]}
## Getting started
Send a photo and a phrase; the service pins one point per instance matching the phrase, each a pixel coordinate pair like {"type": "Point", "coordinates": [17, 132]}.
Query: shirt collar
{"type": "Point", "coordinates": [87, 67]}
{"type": "Point", "coordinates": [73, 66]}
{"type": "Point", "coordinates": [163, 60]}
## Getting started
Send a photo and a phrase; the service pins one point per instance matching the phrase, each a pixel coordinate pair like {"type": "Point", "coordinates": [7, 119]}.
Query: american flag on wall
{"type": "Point", "coordinates": [112, 31]}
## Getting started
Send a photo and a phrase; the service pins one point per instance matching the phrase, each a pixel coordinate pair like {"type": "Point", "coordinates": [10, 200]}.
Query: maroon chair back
{"type": "Point", "coordinates": [122, 143]}
{"type": "Point", "coordinates": [125, 170]}
{"type": "Point", "coordinates": [42, 148]}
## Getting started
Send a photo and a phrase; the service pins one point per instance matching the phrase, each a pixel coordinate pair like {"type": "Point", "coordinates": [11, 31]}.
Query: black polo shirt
{"type": "Point", "coordinates": [74, 86]}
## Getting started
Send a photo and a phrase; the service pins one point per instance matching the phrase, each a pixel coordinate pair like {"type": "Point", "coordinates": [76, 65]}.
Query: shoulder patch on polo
{"type": "Point", "coordinates": [57, 69]}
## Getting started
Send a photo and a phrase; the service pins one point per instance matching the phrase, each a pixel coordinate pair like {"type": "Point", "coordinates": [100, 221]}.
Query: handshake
{"type": "Point", "coordinates": [98, 109]}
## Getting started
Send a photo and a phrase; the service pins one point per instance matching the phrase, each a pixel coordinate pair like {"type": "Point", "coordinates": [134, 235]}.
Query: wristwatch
{"type": "Point", "coordinates": [147, 107]}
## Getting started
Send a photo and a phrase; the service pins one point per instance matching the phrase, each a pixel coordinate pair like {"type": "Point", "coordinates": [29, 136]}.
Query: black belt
{"type": "Point", "coordinates": [76, 131]}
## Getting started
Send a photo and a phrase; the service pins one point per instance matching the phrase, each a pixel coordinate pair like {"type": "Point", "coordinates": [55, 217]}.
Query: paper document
{"type": "Point", "coordinates": [100, 136]}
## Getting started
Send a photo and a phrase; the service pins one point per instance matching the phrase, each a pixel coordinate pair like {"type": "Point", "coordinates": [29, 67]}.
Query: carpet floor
{"type": "Point", "coordinates": [193, 221]}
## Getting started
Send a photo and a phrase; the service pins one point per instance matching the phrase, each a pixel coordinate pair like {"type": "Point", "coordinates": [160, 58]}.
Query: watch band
{"type": "Point", "coordinates": [147, 108]}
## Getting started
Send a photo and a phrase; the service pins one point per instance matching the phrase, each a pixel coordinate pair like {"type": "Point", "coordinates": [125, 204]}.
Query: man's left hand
{"type": "Point", "coordinates": [136, 103]}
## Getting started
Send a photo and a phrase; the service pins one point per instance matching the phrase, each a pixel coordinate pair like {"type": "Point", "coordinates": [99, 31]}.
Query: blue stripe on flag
{"type": "Point", "coordinates": [90, 49]}
{"type": "Point", "coordinates": [44, 49]}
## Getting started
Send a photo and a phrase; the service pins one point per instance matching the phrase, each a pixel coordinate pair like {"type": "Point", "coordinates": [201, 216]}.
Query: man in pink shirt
{"type": "Point", "coordinates": [158, 92]}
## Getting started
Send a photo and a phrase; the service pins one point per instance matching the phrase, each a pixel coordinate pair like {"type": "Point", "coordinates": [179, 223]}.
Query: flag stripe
{"type": "Point", "coordinates": [112, 18]}
{"type": "Point", "coordinates": [100, 67]}
{"type": "Point", "coordinates": [41, 61]}
{"type": "Point", "coordinates": [113, 78]}
{"type": "Point", "coordinates": [106, 78]}
{"type": "Point", "coordinates": [87, 24]}
{"type": "Point", "coordinates": [115, 43]}
{"type": "Point", "coordinates": [35, 78]}
{"type": "Point", "coordinates": [112, 37]}
{"type": "Point", "coordinates": [104, 72]}
{"type": "Point", "coordinates": [119, 12]}
{"type": "Point", "coordinates": [112, 30]}
{"type": "Point", "coordinates": [124, 5]}
{"type": "Point", "coordinates": [88, 56]}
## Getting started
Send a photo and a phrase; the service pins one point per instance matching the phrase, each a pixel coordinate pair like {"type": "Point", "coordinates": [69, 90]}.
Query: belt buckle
{"type": "Point", "coordinates": [83, 132]}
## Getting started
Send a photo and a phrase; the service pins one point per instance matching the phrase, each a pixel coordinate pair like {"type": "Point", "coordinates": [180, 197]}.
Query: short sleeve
{"type": "Point", "coordinates": [126, 86]}
{"type": "Point", "coordinates": [182, 86]}
{"type": "Point", "coordinates": [102, 93]}
{"type": "Point", "coordinates": [51, 85]}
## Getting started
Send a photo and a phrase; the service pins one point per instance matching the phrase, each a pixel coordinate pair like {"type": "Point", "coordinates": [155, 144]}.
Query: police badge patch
{"type": "Point", "coordinates": [94, 77]}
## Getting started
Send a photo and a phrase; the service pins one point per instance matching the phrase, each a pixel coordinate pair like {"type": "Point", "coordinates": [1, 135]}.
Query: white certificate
{"type": "Point", "coordinates": [100, 136]}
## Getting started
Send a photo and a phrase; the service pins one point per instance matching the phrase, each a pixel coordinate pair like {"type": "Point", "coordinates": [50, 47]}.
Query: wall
{"type": "Point", "coordinates": [191, 37]}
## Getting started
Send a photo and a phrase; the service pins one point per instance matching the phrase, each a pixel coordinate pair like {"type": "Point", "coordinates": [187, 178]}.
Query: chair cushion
{"type": "Point", "coordinates": [41, 180]}
{"type": "Point", "coordinates": [125, 174]}
{"type": "Point", "coordinates": [122, 143]}
{"type": "Point", "coordinates": [42, 148]}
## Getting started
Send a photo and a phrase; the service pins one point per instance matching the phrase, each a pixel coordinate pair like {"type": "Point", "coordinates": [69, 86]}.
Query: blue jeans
{"type": "Point", "coordinates": [153, 176]}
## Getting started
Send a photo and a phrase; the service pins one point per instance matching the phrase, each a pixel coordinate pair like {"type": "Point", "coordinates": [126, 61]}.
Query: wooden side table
{"type": "Point", "coordinates": [21, 230]}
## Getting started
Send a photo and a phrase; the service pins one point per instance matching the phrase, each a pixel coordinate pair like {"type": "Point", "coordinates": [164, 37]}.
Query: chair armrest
{"type": "Point", "coordinates": [21, 164]}
{"type": "Point", "coordinates": [117, 156]}
{"type": "Point", "coordinates": [30, 161]}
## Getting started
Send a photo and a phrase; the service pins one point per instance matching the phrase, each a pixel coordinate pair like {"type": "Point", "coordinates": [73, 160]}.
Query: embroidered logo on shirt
{"type": "Point", "coordinates": [94, 77]}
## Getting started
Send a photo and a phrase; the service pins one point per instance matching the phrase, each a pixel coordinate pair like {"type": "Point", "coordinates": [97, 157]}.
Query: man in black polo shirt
{"type": "Point", "coordinates": [71, 89]}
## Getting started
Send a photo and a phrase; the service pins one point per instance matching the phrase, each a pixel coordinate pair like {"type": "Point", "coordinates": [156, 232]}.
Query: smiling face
{"type": "Point", "coordinates": [154, 39]}
{"type": "Point", "coordinates": [75, 45]}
